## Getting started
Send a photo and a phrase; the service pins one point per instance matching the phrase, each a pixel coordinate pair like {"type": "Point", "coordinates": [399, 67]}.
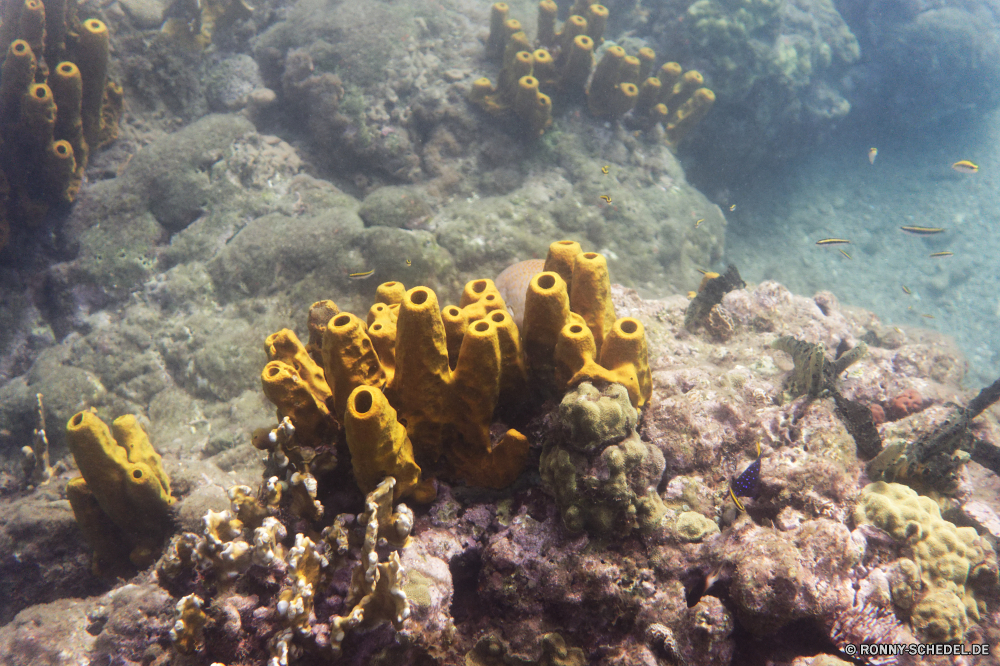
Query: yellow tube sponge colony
{"type": "Point", "coordinates": [349, 359]}
{"type": "Point", "coordinates": [124, 474]}
{"type": "Point", "coordinates": [379, 445]}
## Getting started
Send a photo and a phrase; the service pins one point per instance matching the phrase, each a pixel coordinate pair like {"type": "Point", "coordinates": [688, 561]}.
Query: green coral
{"type": "Point", "coordinates": [122, 500]}
{"type": "Point", "coordinates": [603, 476]}
{"type": "Point", "coordinates": [952, 561]}
{"type": "Point", "coordinates": [814, 375]}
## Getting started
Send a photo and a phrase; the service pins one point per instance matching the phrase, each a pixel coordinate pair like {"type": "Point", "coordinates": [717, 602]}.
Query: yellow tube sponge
{"type": "Point", "coordinates": [590, 294]}
{"type": "Point", "coordinates": [479, 298]}
{"type": "Point", "coordinates": [623, 98]}
{"type": "Point", "coordinates": [382, 333]}
{"type": "Point", "coordinates": [307, 411]}
{"type": "Point", "coordinates": [31, 26]}
{"type": "Point", "coordinates": [390, 293]}
{"type": "Point", "coordinates": [61, 172]}
{"type": "Point", "coordinates": [420, 388]}
{"type": "Point", "coordinates": [603, 83]}
{"type": "Point", "coordinates": [649, 96]}
{"type": "Point", "coordinates": [624, 354]}
{"type": "Point", "coordinates": [544, 68]}
{"type": "Point", "coordinates": [124, 474]}
{"type": "Point", "coordinates": [93, 63]}
{"type": "Point", "coordinates": [547, 11]}
{"type": "Point", "coordinates": [17, 74]}
{"type": "Point", "coordinates": [456, 321]}
{"type": "Point", "coordinates": [379, 445]}
{"type": "Point", "coordinates": [597, 21]}
{"type": "Point", "coordinates": [498, 30]}
{"type": "Point", "coordinates": [684, 89]}
{"type": "Point", "coordinates": [690, 114]}
{"type": "Point", "coordinates": [578, 64]}
{"type": "Point", "coordinates": [512, 373]}
{"type": "Point", "coordinates": [669, 76]}
{"type": "Point", "coordinates": [541, 118]}
{"type": "Point", "coordinates": [524, 97]}
{"type": "Point", "coordinates": [38, 117]}
{"type": "Point", "coordinates": [546, 311]}
{"type": "Point", "coordinates": [561, 258]}
{"type": "Point", "coordinates": [647, 57]}
{"type": "Point", "coordinates": [349, 359]}
{"type": "Point", "coordinates": [285, 346]}
{"type": "Point", "coordinates": [476, 383]}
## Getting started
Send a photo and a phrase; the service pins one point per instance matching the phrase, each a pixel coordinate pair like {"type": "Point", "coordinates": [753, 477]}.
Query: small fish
{"type": "Point", "coordinates": [698, 223]}
{"type": "Point", "coordinates": [409, 263]}
{"type": "Point", "coordinates": [691, 295]}
{"type": "Point", "coordinates": [604, 170]}
{"type": "Point", "coordinates": [844, 252]}
{"type": "Point", "coordinates": [906, 290]}
{"type": "Point", "coordinates": [944, 253]}
{"type": "Point", "coordinates": [732, 208]}
{"type": "Point", "coordinates": [746, 484]}
{"type": "Point", "coordinates": [702, 271]}
{"type": "Point", "coordinates": [923, 231]}
{"type": "Point", "coordinates": [700, 582]}
{"type": "Point", "coordinates": [606, 198]}
{"type": "Point", "coordinates": [832, 241]}
{"type": "Point", "coordinates": [965, 166]}
{"type": "Point", "coordinates": [362, 275]}
{"type": "Point", "coordinates": [928, 316]}
{"type": "Point", "coordinates": [897, 329]}
{"type": "Point", "coordinates": [872, 154]}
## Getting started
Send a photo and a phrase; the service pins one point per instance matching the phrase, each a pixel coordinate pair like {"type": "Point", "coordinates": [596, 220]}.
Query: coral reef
{"type": "Point", "coordinates": [952, 562]}
{"type": "Point", "coordinates": [57, 106]}
{"type": "Point", "coordinates": [604, 478]}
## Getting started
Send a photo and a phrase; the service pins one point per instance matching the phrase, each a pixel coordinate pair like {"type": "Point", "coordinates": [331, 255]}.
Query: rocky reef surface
{"type": "Point", "coordinates": [490, 576]}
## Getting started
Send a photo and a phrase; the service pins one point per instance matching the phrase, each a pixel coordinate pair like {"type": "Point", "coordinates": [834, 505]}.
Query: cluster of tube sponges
{"type": "Point", "coordinates": [561, 61]}
{"type": "Point", "coordinates": [447, 373]}
{"type": "Point", "coordinates": [56, 106]}
{"type": "Point", "coordinates": [122, 499]}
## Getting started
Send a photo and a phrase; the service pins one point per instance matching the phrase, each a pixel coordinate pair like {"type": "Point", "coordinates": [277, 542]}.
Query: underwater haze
{"type": "Point", "coordinates": [449, 332]}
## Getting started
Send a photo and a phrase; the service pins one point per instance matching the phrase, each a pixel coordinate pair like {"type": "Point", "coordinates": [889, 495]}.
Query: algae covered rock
{"type": "Point", "coordinates": [603, 476]}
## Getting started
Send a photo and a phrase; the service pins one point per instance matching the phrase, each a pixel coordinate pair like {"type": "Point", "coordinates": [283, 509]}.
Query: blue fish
{"type": "Point", "coordinates": [746, 484]}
